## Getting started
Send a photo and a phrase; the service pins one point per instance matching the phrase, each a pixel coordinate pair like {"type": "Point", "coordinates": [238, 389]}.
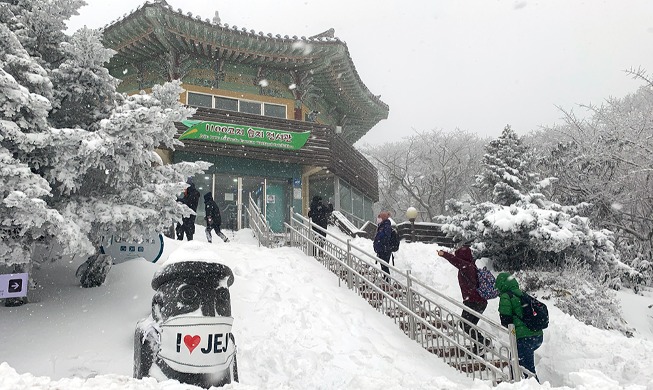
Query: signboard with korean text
{"type": "Point", "coordinates": [122, 249]}
{"type": "Point", "coordinates": [244, 135]}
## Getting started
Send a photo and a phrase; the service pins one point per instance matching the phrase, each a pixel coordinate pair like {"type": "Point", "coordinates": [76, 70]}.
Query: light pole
{"type": "Point", "coordinates": [411, 214]}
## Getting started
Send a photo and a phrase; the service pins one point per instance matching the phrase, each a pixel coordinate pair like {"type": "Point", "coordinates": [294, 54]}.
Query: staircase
{"type": "Point", "coordinates": [426, 316]}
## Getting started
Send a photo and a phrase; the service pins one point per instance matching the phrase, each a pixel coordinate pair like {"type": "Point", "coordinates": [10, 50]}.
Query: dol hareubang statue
{"type": "Point", "coordinates": [188, 335]}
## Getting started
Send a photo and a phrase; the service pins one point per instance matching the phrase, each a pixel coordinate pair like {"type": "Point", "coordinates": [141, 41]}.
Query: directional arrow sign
{"type": "Point", "coordinates": [13, 285]}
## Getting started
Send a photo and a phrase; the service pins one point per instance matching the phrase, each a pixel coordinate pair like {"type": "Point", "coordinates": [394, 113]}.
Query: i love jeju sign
{"type": "Point", "coordinates": [197, 345]}
{"type": "Point", "coordinates": [243, 135]}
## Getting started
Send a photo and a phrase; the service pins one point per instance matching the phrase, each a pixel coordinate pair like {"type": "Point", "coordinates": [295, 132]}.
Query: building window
{"type": "Point", "coordinates": [275, 110]}
{"type": "Point", "coordinates": [224, 103]}
{"type": "Point", "coordinates": [231, 104]}
{"type": "Point", "coordinates": [200, 100]}
{"type": "Point", "coordinates": [250, 107]}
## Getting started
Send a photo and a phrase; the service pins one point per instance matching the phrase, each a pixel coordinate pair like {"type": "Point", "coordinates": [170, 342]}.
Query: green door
{"type": "Point", "coordinates": [276, 205]}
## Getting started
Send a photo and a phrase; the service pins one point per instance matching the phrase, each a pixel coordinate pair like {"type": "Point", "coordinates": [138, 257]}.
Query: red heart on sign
{"type": "Point", "coordinates": [191, 342]}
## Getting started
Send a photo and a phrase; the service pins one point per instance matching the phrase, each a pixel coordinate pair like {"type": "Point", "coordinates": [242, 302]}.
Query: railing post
{"type": "Point", "coordinates": [411, 306]}
{"type": "Point", "coordinates": [514, 357]}
{"type": "Point", "coordinates": [350, 275]}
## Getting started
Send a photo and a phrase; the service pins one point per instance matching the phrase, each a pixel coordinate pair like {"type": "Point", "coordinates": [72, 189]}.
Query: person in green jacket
{"type": "Point", "coordinates": [510, 312]}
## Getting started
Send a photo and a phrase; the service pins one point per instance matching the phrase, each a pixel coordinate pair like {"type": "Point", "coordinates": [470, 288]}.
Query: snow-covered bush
{"type": "Point", "coordinates": [576, 292]}
{"type": "Point", "coordinates": [519, 228]}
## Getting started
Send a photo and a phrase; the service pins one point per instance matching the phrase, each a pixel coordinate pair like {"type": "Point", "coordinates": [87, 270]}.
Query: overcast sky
{"type": "Point", "coordinates": [476, 65]}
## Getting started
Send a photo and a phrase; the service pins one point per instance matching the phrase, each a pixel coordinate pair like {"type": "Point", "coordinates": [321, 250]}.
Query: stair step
{"type": "Point", "coordinates": [477, 366]}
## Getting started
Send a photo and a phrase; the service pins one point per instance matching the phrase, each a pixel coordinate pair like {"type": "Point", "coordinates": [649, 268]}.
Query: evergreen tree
{"type": "Point", "coordinates": [24, 214]}
{"type": "Point", "coordinates": [522, 229]}
{"type": "Point", "coordinates": [97, 172]}
{"type": "Point", "coordinates": [82, 81]}
{"type": "Point", "coordinates": [40, 25]}
{"type": "Point", "coordinates": [506, 162]}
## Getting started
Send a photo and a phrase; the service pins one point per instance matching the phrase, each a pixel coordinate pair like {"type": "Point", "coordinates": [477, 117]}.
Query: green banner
{"type": "Point", "coordinates": [244, 135]}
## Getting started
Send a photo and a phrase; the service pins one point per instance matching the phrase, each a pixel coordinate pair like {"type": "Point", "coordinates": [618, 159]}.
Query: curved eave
{"type": "Point", "coordinates": [156, 29]}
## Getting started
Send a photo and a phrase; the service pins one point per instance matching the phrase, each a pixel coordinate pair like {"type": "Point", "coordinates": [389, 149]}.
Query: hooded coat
{"type": "Point", "coordinates": [467, 273]}
{"type": "Point", "coordinates": [319, 212]}
{"type": "Point", "coordinates": [510, 309]}
{"type": "Point", "coordinates": [211, 210]}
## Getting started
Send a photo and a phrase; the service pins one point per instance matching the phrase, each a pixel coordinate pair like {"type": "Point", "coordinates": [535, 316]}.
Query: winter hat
{"type": "Point", "coordinates": [189, 180]}
{"type": "Point", "coordinates": [464, 253]}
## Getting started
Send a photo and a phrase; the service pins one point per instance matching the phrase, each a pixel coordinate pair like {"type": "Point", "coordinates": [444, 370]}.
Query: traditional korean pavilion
{"type": "Point", "coordinates": [276, 115]}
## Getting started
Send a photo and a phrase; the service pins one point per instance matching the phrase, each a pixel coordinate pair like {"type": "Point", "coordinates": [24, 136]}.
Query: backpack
{"type": "Point", "coordinates": [393, 245]}
{"type": "Point", "coordinates": [485, 286]}
{"type": "Point", "coordinates": [536, 314]}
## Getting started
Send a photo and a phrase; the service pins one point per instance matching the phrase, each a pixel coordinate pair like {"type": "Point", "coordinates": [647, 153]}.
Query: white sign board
{"type": "Point", "coordinates": [197, 345]}
{"type": "Point", "coordinates": [150, 248]}
{"type": "Point", "coordinates": [297, 193]}
{"type": "Point", "coordinates": [13, 285]}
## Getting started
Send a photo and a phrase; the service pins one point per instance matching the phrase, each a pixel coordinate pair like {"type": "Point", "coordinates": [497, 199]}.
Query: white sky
{"type": "Point", "coordinates": [295, 328]}
{"type": "Point", "coordinates": [474, 64]}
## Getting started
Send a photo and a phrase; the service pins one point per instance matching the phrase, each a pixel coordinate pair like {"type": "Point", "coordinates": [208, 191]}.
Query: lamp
{"type": "Point", "coordinates": [411, 214]}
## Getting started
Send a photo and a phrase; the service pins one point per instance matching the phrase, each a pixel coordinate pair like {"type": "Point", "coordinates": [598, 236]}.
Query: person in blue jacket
{"type": "Point", "coordinates": [382, 241]}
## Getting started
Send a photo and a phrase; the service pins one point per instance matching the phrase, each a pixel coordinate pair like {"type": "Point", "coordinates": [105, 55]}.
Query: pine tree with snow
{"type": "Point", "coordinates": [84, 91]}
{"type": "Point", "coordinates": [25, 216]}
{"type": "Point", "coordinates": [521, 228]}
{"type": "Point", "coordinates": [40, 25]}
{"type": "Point", "coordinates": [507, 162]}
{"type": "Point", "coordinates": [98, 172]}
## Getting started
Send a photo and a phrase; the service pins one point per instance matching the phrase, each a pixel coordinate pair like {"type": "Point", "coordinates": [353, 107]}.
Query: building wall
{"type": "Point", "coordinates": [235, 80]}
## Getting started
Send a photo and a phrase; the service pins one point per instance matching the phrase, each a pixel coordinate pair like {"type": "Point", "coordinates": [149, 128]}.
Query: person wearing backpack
{"type": "Point", "coordinates": [468, 282]}
{"type": "Point", "coordinates": [382, 242]}
{"type": "Point", "coordinates": [511, 311]}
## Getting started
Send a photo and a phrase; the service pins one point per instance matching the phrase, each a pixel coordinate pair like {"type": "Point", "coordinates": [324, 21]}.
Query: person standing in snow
{"type": "Point", "coordinates": [213, 218]}
{"type": "Point", "coordinates": [511, 312]}
{"type": "Point", "coordinates": [191, 199]}
{"type": "Point", "coordinates": [382, 242]}
{"type": "Point", "coordinates": [468, 281]}
{"type": "Point", "coordinates": [319, 212]}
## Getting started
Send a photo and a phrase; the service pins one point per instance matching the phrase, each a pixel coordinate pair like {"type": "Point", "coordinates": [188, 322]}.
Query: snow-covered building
{"type": "Point", "coordinates": [277, 116]}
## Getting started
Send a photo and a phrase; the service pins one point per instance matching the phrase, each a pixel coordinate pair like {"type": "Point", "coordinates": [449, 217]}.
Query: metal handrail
{"type": "Point", "coordinates": [357, 221]}
{"type": "Point", "coordinates": [260, 226]}
{"type": "Point", "coordinates": [257, 223]}
{"type": "Point", "coordinates": [423, 313]}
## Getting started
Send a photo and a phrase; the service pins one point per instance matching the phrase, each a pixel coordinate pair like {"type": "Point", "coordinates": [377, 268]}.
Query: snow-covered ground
{"type": "Point", "coordinates": [295, 329]}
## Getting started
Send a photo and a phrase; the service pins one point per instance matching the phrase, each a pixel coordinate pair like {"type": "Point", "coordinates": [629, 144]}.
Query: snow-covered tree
{"type": "Point", "coordinates": [606, 159]}
{"type": "Point", "coordinates": [25, 215]}
{"type": "Point", "coordinates": [426, 169]}
{"type": "Point", "coordinates": [119, 183]}
{"type": "Point", "coordinates": [84, 91]}
{"type": "Point", "coordinates": [506, 163]}
{"type": "Point", "coordinates": [97, 172]}
{"type": "Point", "coordinates": [40, 25]}
{"type": "Point", "coordinates": [530, 231]}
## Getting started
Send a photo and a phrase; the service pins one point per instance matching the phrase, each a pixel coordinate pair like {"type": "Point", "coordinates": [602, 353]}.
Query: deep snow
{"type": "Point", "coordinates": [295, 328]}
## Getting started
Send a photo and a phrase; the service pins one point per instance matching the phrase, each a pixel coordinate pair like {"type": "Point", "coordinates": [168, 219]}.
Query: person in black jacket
{"type": "Point", "coordinates": [213, 218]}
{"type": "Point", "coordinates": [191, 199]}
{"type": "Point", "coordinates": [319, 212]}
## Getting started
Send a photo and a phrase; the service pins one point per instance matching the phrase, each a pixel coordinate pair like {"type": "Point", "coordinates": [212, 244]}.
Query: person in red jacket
{"type": "Point", "coordinates": [468, 281]}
